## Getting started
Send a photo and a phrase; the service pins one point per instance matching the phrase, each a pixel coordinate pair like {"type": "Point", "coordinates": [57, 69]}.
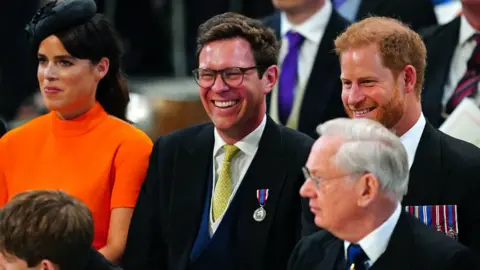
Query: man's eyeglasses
{"type": "Point", "coordinates": [307, 175]}
{"type": "Point", "coordinates": [318, 181]}
{"type": "Point", "coordinates": [232, 76]}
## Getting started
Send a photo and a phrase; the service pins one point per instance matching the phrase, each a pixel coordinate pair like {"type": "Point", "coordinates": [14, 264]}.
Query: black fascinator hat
{"type": "Point", "coordinates": [85, 35]}
{"type": "Point", "coordinates": [56, 16]}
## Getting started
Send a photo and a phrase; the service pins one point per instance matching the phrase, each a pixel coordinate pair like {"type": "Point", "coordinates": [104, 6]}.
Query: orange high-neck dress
{"type": "Point", "coordinates": [96, 157]}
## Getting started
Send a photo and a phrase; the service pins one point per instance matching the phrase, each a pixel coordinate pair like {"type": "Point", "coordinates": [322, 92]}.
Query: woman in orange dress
{"type": "Point", "coordinates": [84, 146]}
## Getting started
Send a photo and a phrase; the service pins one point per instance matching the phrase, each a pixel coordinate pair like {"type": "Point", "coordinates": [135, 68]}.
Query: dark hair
{"type": "Point", "coordinates": [47, 225]}
{"type": "Point", "coordinates": [93, 40]}
{"type": "Point", "coordinates": [229, 25]}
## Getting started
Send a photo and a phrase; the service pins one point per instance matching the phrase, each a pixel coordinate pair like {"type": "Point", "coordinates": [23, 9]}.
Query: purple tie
{"type": "Point", "coordinates": [288, 76]}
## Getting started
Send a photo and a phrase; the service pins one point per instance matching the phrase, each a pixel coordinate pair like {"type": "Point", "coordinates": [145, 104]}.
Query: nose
{"type": "Point", "coordinates": [219, 85]}
{"type": "Point", "coordinates": [50, 72]}
{"type": "Point", "coordinates": [307, 190]}
{"type": "Point", "coordinates": [356, 95]}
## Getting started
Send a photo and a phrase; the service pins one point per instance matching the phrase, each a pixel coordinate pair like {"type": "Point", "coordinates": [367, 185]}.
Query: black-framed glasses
{"type": "Point", "coordinates": [232, 76]}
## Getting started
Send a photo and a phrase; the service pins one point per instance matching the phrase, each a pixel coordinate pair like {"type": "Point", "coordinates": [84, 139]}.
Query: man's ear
{"type": "Point", "coordinates": [270, 77]}
{"type": "Point", "coordinates": [101, 68]}
{"type": "Point", "coordinates": [409, 78]}
{"type": "Point", "coordinates": [367, 189]}
{"type": "Point", "coordinates": [47, 265]}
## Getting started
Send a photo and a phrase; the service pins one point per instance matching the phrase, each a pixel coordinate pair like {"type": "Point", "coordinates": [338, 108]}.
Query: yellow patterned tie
{"type": "Point", "coordinates": [223, 187]}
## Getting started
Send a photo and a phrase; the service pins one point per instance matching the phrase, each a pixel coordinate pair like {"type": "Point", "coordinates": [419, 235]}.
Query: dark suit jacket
{"type": "Point", "coordinates": [412, 246]}
{"type": "Point", "coordinates": [98, 262]}
{"type": "Point", "coordinates": [321, 100]}
{"type": "Point", "coordinates": [441, 42]}
{"type": "Point", "coordinates": [416, 13]}
{"type": "Point", "coordinates": [166, 219]}
{"type": "Point", "coordinates": [447, 171]}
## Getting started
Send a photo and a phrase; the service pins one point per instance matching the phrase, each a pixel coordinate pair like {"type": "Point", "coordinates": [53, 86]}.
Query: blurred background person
{"type": "Point", "coordinates": [453, 71]}
{"type": "Point", "coordinates": [48, 230]}
{"type": "Point", "coordinates": [417, 14]}
{"type": "Point", "coordinates": [308, 87]}
{"type": "Point", "coordinates": [84, 145]}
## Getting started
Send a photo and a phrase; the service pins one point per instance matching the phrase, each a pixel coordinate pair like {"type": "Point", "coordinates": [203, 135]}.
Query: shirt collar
{"type": "Point", "coordinates": [248, 145]}
{"type": "Point", "coordinates": [411, 139]}
{"type": "Point", "coordinates": [466, 31]}
{"type": "Point", "coordinates": [376, 242]}
{"type": "Point", "coordinates": [313, 28]}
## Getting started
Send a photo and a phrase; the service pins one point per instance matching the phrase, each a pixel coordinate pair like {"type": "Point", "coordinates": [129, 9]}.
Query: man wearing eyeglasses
{"type": "Point", "coordinates": [224, 195]}
{"type": "Point", "coordinates": [356, 176]}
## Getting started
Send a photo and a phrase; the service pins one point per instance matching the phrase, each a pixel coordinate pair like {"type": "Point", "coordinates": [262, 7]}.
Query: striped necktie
{"type": "Point", "coordinates": [467, 87]}
{"type": "Point", "coordinates": [223, 187]}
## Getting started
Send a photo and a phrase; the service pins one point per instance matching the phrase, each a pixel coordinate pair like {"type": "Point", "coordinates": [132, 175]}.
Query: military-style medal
{"type": "Point", "coordinates": [438, 222]}
{"type": "Point", "coordinates": [260, 214]}
{"type": "Point", "coordinates": [452, 221]}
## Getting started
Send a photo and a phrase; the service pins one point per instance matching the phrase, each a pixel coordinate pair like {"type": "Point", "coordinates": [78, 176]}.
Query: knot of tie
{"type": "Point", "coordinates": [294, 39]}
{"type": "Point", "coordinates": [356, 257]}
{"type": "Point", "coordinates": [230, 151]}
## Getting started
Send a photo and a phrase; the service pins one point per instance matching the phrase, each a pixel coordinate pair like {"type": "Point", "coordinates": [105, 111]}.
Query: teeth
{"type": "Point", "coordinates": [364, 111]}
{"type": "Point", "coordinates": [225, 104]}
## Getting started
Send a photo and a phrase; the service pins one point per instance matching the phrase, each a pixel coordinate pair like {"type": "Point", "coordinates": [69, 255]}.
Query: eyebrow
{"type": "Point", "coordinates": [59, 57]}
{"type": "Point", "coordinates": [312, 172]}
{"type": "Point", "coordinates": [365, 78]}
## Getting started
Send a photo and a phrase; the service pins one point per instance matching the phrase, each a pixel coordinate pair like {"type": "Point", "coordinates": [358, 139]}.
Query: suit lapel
{"type": "Point", "coordinates": [334, 257]}
{"type": "Point", "coordinates": [440, 49]}
{"type": "Point", "coordinates": [189, 188]}
{"type": "Point", "coordinates": [426, 173]}
{"type": "Point", "coordinates": [397, 256]}
{"type": "Point", "coordinates": [267, 171]}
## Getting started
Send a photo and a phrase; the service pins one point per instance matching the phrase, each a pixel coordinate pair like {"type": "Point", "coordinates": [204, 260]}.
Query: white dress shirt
{"type": "Point", "coordinates": [376, 242]}
{"type": "Point", "coordinates": [411, 139]}
{"type": "Point", "coordinates": [239, 165]}
{"type": "Point", "coordinates": [312, 30]}
{"type": "Point", "coordinates": [458, 66]}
